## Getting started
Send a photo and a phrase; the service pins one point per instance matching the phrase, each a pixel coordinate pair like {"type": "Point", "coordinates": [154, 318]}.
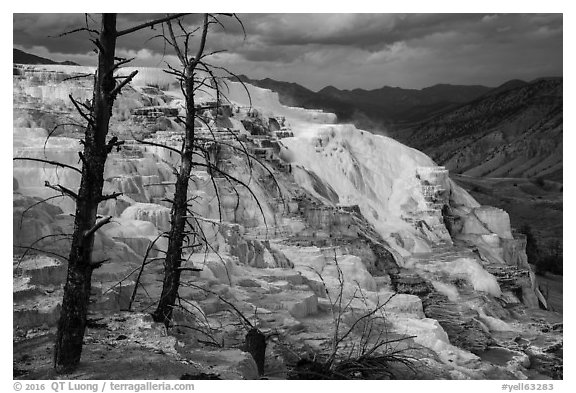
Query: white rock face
{"type": "Point", "coordinates": [353, 270]}
{"type": "Point", "coordinates": [405, 304]}
{"type": "Point", "coordinates": [267, 102]}
{"type": "Point", "coordinates": [26, 133]}
{"type": "Point", "coordinates": [495, 324]}
{"type": "Point", "coordinates": [449, 290]}
{"type": "Point", "coordinates": [313, 262]}
{"type": "Point", "coordinates": [215, 267]}
{"type": "Point", "coordinates": [459, 196]}
{"type": "Point", "coordinates": [473, 226]}
{"type": "Point", "coordinates": [58, 92]}
{"type": "Point", "coordinates": [466, 268]}
{"type": "Point", "coordinates": [496, 220]}
{"type": "Point", "coordinates": [303, 306]}
{"type": "Point", "coordinates": [155, 214]}
{"type": "Point", "coordinates": [430, 334]}
{"type": "Point", "coordinates": [479, 278]}
{"type": "Point", "coordinates": [374, 172]}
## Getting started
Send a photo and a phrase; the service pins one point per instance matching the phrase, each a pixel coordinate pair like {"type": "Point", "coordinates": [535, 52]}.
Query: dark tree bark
{"type": "Point", "coordinates": [172, 263]}
{"type": "Point", "coordinates": [72, 323]}
{"type": "Point", "coordinates": [176, 235]}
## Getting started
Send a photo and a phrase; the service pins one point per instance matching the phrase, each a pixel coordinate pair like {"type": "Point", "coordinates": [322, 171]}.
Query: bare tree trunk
{"type": "Point", "coordinates": [72, 323]}
{"type": "Point", "coordinates": [172, 263]}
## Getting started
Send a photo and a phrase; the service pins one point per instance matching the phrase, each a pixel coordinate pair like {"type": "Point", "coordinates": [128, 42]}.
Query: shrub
{"type": "Point", "coordinates": [359, 345]}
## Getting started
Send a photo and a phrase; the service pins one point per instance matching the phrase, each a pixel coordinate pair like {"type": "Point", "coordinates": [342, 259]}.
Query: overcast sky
{"type": "Point", "coordinates": [343, 50]}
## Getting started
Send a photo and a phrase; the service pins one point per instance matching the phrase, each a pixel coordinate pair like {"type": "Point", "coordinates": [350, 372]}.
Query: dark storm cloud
{"type": "Point", "coordinates": [360, 30]}
{"type": "Point", "coordinates": [346, 50]}
{"type": "Point", "coordinates": [375, 31]}
{"type": "Point", "coordinates": [43, 30]}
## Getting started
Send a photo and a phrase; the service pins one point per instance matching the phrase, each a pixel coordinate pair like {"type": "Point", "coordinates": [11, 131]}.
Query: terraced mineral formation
{"type": "Point", "coordinates": [339, 212]}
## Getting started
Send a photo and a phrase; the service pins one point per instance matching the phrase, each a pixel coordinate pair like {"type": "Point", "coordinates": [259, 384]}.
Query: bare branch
{"type": "Point", "coordinates": [76, 77]}
{"type": "Point", "coordinates": [97, 226]}
{"type": "Point", "coordinates": [131, 273]}
{"type": "Point", "coordinates": [44, 251]}
{"type": "Point", "coordinates": [75, 31]}
{"type": "Point", "coordinates": [158, 145]}
{"type": "Point", "coordinates": [179, 75]}
{"type": "Point", "coordinates": [97, 264]}
{"type": "Point", "coordinates": [202, 43]}
{"type": "Point", "coordinates": [175, 45]}
{"type": "Point", "coordinates": [241, 24]}
{"type": "Point", "coordinates": [189, 269]}
{"type": "Point", "coordinates": [114, 195]}
{"type": "Point", "coordinates": [228, 176]}
{"type": "Point", "coordinates": [87, 117]}
{"type": "Point", "coordinates": [123, 83]}
{"type": "Point", "coordinates": [31, 246]}
{"type": "Point", "coordinates": [62, 189]}
{"type": "Point", "coordinates": [149, 24]}
{"type": "Point", "coordinates": [121, 62]}
{"type": "Point", "coordinates": [112, 143]}
{"type": "Point", "coordinates": [55, 163]}
{"type": "Point", "coordinates": [58, 126]}
{"type": "Point", "coordinates": [36, 204]}
{"type": "Point", "coordinates": [238, 312]}
{"type": "Point", "coordinates": [148, 249]}
{"type": "Point", "coordinates": [98, 44]}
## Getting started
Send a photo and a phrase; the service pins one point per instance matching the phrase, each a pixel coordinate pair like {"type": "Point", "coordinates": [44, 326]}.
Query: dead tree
{"type": "Point", "coordinates": [172, 262]}
{"type": "Point", "coordinates": [183, 220]}
{"type": "Point", "coordinates": [96, 114]}
{"type": "Point", "coordinates": [72, 321]}
{"type": "Point", "coordinates": [107, 86]}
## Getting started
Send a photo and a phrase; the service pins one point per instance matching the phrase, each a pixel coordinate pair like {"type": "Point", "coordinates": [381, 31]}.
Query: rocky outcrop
{"type": "Point", "coordinates": [155, 111]}
{"type": "Point", "coordinates": [303, 306]}
{"type": "Point", "coordinates": [252, 252]}
{"type": "Point", "coordinates": [37, 293]}
{"type": "Point", "coordinates": [461, 324]}
{"type": "Point", "coordinates": [158, 215]}
{"type": "Point", "coordinates": [516, 281]}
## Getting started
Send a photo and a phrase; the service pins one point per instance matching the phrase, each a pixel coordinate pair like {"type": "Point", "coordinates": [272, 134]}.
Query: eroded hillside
{"type": "Point", "coordinates": [515, 131]}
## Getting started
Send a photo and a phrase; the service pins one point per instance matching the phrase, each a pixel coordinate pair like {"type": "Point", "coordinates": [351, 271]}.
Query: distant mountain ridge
{"type": "Point", "coordinates": [21, 57]}
{"type": "Point", "coordinates": [377, 108]}
{"type": "Point", "coordinates": [515, 130]}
